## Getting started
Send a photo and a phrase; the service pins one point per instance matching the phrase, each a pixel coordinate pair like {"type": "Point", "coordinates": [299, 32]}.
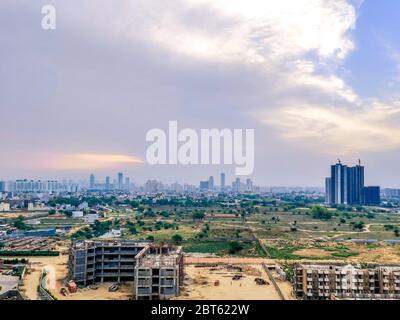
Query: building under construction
{"type": "Point", "coordinates": [157, 271]}
{"type": "Point", "coordinates": [323, 282]}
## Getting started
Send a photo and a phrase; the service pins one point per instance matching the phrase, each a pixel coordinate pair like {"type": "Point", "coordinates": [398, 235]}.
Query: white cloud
{"type": "Point", "coordinates": [267, 29]}
{"type": "Point", "coordinates": [340, 131]}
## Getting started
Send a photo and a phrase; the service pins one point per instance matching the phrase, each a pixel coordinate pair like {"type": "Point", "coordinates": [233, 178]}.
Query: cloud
{"type": "Point", "coordinates": [339, 131]}
{"type": "Point", "coordinates": [259, 30]}
{"type": "Point", "coordinates": [87, 161]}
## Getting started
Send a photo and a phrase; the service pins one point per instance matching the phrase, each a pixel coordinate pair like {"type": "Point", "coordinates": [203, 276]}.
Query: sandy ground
{"type": "Point", "coordinates": [101, 293]}
{"type": "Point", "coordinates": [199, 284]}
{"type": "Point", "coordinates": [13, 215]}
{"type": "Point", "coordinates": [230, 260]}
{"type": "Point", "coordinates": [383, 254]}
{"type": "Point", "coordinates": [313, 253]}
{"type": "Point", "coordinates": [32, 278]}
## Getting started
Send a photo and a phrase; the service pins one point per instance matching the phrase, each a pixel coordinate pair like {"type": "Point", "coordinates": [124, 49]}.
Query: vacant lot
{"type": "Point", "coordinates": [201, 284]}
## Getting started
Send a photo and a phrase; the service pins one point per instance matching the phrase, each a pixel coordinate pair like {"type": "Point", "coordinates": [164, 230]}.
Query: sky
{"type": "Point", "coordinates": [318, 80]}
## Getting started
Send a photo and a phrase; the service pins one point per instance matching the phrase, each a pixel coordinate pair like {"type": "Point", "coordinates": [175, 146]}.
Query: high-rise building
{"type": "Point", "coordinates": [92, 181]}
{"type": "Point", "coordinates": [249, 185]}
{"type": "Point", "coordinates": [338, 184]}
{"type": "Point", "coordinates": [108, 185]}
{"type": "Point", "coordinates": [328, 192]}
{"type": "Point", "coordinates": [204, 185]}
{"type": "Point", "coordinates": [371, 196]}
{"type": "Point", "coordinates": [120, 181]}
{"type": "Point", "coordinates": [222, 182]}
{"type": "Point", "coordinates": [346, 186]}
{"type": "Point", "coordinates": [355, 184]}
{"type": "Point", "coordinates": [236, 185]}
{"type": "Point", "coordinates": [2, 186]}
{"type": "Point", "coordinates": [127, 184]}
{"type": "Point", "coordinates": [211, 183]}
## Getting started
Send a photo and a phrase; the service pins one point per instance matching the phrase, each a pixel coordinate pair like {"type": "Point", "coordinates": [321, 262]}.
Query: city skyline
{"type": "Point", "coordinates": [305, 84]}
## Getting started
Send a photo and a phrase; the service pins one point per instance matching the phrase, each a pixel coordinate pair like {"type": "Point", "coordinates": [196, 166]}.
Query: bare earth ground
{"type": "Point", "coordinates": [384, 254]}
{"type": "Point", "coordinates": [32, 278]}
{"type": "Point", "coordinates": [230, 260]}
{"type": "Point", "coordinates": [312, 253]}
{"type": "Point", "coordinates": [13, 215]}
{"type": "Point", "coordinates": [200, 284]}
{"type": "Point", "coordinates": [101, 293]}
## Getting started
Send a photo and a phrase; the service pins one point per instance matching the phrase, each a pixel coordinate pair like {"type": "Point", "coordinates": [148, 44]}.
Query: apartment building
{"type": "Point", "coordinates": [346, 282]}
{"type": "Point", "coordinates": [157, 271]}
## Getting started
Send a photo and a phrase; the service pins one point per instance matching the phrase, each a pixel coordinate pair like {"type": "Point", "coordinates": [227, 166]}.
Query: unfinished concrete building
{"type": "Point", "coordinates": [103, 261]}
{"type": "Point", "coordinates": [346, 282]}
{"type": "Point", "coordinates": [157, 271]}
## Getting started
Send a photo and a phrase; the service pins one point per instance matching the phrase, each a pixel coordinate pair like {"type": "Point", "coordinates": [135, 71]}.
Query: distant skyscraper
{"type": "Point", "coordinates": [222, 182]}
{"type": "Point", "coordinates": [2, 186]}
{"type": "Point", "coordinates": [328, 192]}
{"type": "Point", "coordinates": [120, 181]}
{"type": "Point", "coordinates": [236, 185]}
{"type": "Point", "coordinates": [346, 186]}
{"type": "Point", "coordinates": [108, 186]}
{"type": "Point", "coordinates": [249, 185]}
{"type": "Point", "coordinates": [355, 184]}
{"type": "Point", "coordinates": [204, 185]}
{"type": "Point", "coordinates": [211, 183]}
{"type": "Point", "coordinates": [127, 183]}
{"type": "Point", "coordinates": [92, 181]}
{"type": "Point", "coordinates": [338, 184]}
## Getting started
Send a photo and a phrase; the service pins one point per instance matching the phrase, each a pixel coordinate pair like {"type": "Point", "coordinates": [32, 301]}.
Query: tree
{"type": "Point", "coordinates": [52, 211]}
{"type": "Point", "coordinates": [150, 238]}
{"type": "Point", "coordinates": [319, 212]}
{"type": "Point", "coordinates": [198, 215]}
{"type": "Point", "coordinates": [20, 224]}
{"type": "Point", "coordinates": [359, 226]}
{"type": "Point", "coordinates": [235, 247]}
{"type": "Point", "coordinates": [177, 238]}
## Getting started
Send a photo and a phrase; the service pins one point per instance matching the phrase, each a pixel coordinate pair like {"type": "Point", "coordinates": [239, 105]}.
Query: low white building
{"type": "Point", "coordinates": [91, 218]}
{"type": "Point", "coordinates": [112, 234]}
{"type": "Point", "coordinates": [77, 214]}
{"type": "Point", "coordinates": [4, 207]}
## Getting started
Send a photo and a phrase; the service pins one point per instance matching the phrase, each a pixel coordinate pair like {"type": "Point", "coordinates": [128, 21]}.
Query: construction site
{"type": "Point", "coordinates": [30, 244]}
{"type": "Point", "coordinates": [334, 282]}
{"type": "Point", "coordinates": [234, 279]}
{"type": "Point", "coordinates": [156, 271]}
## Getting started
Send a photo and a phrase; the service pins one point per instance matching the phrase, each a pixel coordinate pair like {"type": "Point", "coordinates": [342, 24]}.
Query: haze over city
{"type": "Point", "coordinates": [317, 80]}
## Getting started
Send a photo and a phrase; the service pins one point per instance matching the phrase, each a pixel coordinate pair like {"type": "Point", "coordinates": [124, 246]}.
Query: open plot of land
{"type": "Point", "coordinates": [98, 292]}
{"type": "Point", "coordinates": [200, 284]}
{"type": "Point", "coordinates": [36, 265]}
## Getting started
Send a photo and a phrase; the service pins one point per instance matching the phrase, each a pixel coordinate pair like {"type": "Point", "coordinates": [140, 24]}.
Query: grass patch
{"type": "Point", "coordinates": [222, 248]}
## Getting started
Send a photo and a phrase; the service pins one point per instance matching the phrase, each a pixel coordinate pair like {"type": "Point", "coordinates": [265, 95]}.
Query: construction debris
{"type": "Point", "coordinates": [113, 288]}
{"type": "Point", "coordinates": [261, 282]}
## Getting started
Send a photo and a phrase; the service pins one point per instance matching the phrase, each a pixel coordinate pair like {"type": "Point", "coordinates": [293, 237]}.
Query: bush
{"type": "Point", "coordinates": [321, 213]}
{"type": "Point", "coordinates": [177, 238]}
{"type": "Point", "coordinates": [235, 247]}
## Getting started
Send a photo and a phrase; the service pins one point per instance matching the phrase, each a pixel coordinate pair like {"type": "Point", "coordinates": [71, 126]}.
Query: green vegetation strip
{"type": "Point", "coordinates": [287, 253]}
